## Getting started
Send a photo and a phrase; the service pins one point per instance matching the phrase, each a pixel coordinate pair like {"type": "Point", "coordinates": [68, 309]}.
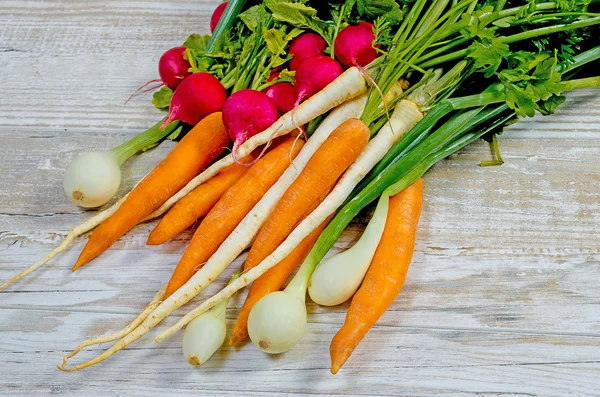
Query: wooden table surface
{"type": "Point", "coordinates": [503, 296]}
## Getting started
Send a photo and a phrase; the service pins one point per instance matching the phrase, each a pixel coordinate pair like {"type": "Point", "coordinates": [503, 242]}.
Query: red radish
{"type": "Point", "coordinates": [305, 46]}
{"type": "Point", "coordinates": [283, 95]}
{"type": "Point", "coordinates": [245, 114]}
{"type": "Point", "coordinates": [354, 45]}
{"type": "Point", "coordinates": [274, 74]}
{"type": "Point", "coordinates": [217, 14]}
{"type": "Point", "coordinates": [199, 95]}
{"type": "Point", "coordinates": [172, 68]}
{"type": "Point", "coordinates": [314, 74]}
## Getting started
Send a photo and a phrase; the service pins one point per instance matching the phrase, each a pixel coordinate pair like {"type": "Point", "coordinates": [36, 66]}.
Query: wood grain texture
{"type": "Point", "coordinates": [502, 297]}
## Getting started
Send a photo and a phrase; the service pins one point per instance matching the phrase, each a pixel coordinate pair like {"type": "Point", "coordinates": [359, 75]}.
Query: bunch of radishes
{"type": "Point", "coordinates": [248, 112]}
{"type": "Point", "coordinates": [245, 112]}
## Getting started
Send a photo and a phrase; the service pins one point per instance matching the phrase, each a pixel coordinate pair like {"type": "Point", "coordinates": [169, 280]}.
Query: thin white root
{"type": "Point", "coordinates": [348, 86]}
{"type": "Point", "coordinates": [406, 115]}
{"type": "Point", "coordinates": [120, 345]}
{"type": "Point", "coordinates": [73, 234]}
{"type": "Point", "coordinates": [351, 83]}
{"type": "Point", "coordinates": [119, 334]}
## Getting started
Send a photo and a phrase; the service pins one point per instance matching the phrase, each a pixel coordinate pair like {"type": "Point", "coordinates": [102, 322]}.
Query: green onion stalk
{"type": "Point", "coordinates": [474, 117]}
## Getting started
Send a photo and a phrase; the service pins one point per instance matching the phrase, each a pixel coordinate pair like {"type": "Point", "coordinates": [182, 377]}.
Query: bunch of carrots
{"type": "Point", "coordinates": [325, 111]}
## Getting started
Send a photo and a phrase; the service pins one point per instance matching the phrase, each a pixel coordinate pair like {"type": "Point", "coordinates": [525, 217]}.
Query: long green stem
{"type": "Point", "coordinates": [515, 10]}
{"type": "Point", "coordinates": [221, 308]}
{"type": "Point", "coordinates": [234, 7]}
{"type": "Point", "coordinates": [402, 148]}
{"type": "Point", "coordinates": [500, 5]}
{"type": "Point", "coordinates": [403, 55]}
{"type": "Point", "coordinates": [145, 140]}
{"type": "Point", "coordinates": [580, 60]}
{"type": "Point", "coordinates": [496, 149]}
{"type": "Point", "coordinates": [432, 15]}
{"type": "Point", "coordinates": [299, 284]}
{"type": "Point", "coordinates": [530, 34]}
{"type": "Point", "coordinates": [589, 82]}
{"type": "Point", "coordinates": [337, 30]}
{"type": "Point", "coordinates": [413, 175]}
{"type": "Point", "coordinates": [452, 44]}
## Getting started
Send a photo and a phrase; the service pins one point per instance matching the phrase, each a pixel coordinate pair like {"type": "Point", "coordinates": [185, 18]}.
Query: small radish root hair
{"type": "Point", "coordinates": [143, 89]}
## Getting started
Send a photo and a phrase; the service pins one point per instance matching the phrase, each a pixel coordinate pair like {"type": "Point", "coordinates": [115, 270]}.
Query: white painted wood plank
{"type": "Point", "coordinates": [393, 360]}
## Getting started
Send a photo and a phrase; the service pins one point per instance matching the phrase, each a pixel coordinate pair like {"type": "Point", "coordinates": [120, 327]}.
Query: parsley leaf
{"type": "Point", "coordinates": [477, 22]}
{"type": "Point", "coordinates": [277, 40]}
{"type": "Point", "coordinates": [530, 81]}
{"type": "Point", "coordinates": [298, 15]}
{"type": "Point", "coordinates": [252, 16]}
{"type": "Point", "coordinates": [549, 106]}
{"type": "Point", "coordinates": [197, 42]}
{"type": "Point", "coordinates": [372, 9]}
{"type": "Point", "coordinates": [162, 98]}
{"type": "Point", "coordinates": [487, 55]}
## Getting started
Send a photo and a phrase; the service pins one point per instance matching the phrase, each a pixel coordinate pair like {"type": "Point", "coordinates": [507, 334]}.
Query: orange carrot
{"type": "Point", "coordinates": [196, 204]}
{"type": "Point", "coordinates": [385, 277]}
{"type": "Point", "coordinates": [205, 142]}
{"type": "Point", "coordinates": [311, 187]}
{"type": "Point", "coordinates": [231, 209]}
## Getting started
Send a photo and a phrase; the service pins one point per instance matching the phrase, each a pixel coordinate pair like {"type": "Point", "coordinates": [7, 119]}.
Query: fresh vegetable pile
{"type": "Point", "coordinates": [293, 117]}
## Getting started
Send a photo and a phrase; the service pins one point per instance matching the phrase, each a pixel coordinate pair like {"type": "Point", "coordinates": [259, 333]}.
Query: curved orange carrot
{"type": "Point", "coordinates": [313, 184]}
{"type": "Point", "coordinates": [385, 277]}
{"type": "Point", "coordinates": [231, 209]}
{"type": "Point", "coordinates": [205, 142]}
{"type": "Point", "coordinates": [196, 204]}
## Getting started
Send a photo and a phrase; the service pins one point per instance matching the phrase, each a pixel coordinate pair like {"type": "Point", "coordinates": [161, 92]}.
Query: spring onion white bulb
{"type": "Point", "coordinates": [277, 322]}
{"type": "Point", "coordinates": [203, 336]}
{"type": "Point", "coordinates": [337, 278]}
{"type": "Point", "coordinates": [206, 333]}
{"type": "Point", "coordinates": [92, 179]}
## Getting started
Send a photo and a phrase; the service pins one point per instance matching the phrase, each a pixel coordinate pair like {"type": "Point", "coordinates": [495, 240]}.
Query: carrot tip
{"type": "Point", "coordinates": [153, 240]}
{"type": "Point", "coordinates": [80, 262]}
{"type": "Point", "coordinates": [236, 340]}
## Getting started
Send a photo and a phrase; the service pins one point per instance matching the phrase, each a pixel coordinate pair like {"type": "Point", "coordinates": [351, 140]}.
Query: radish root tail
{"type": "Point", "coordinates": [367, 76]}
{"type": "Point", "coordinates": [143, 89]}
{"type": "Point", "coordinates": [291, 158]}
{"type": "Point", "coordinates": [117, 335]}
{"type": "Point", "coordinates": [294, 122]}
{"type": "Point", "coordinates": [261, 154]}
